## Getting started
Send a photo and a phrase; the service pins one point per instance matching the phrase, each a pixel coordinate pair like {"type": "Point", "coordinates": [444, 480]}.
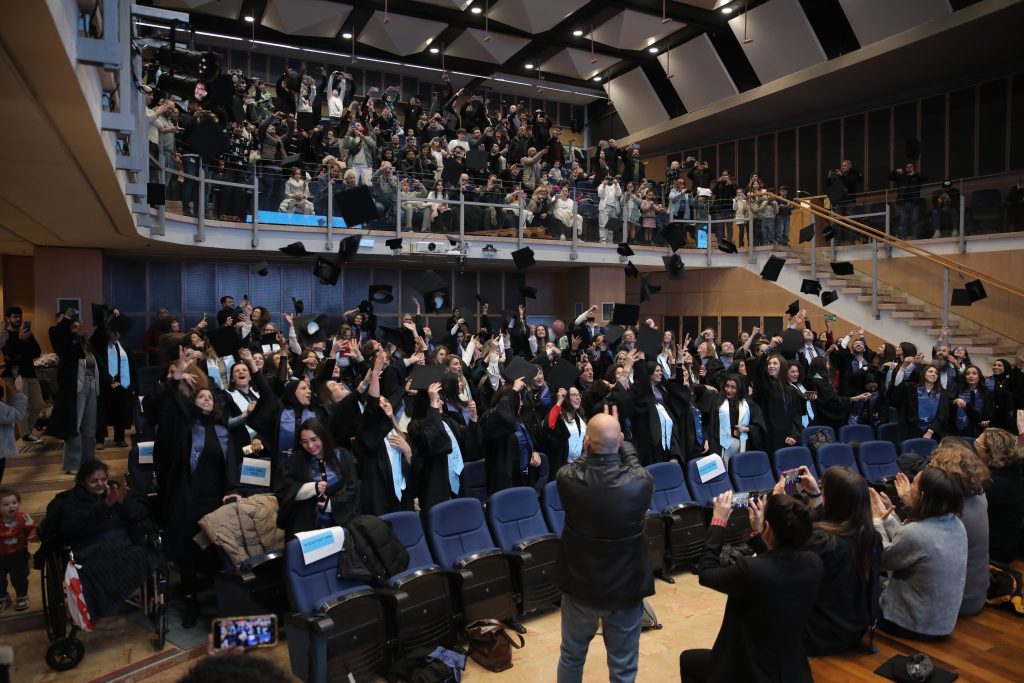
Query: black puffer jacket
{"type": "Point", "coordinates": [371, 552]}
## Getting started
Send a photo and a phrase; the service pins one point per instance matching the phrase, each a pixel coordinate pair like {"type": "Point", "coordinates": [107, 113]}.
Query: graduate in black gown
{"type": "Point", "coordinates": [439, 446]}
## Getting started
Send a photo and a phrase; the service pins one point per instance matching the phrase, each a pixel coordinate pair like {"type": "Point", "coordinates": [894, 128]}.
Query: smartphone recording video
{"type": "Point", "coordinates": [246, 632]}
{"type": "Point", "coordinates": [792, 481]}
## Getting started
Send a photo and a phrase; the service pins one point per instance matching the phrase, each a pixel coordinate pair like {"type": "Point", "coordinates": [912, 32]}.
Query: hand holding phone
{"type": "Point", "coordinates": [244, 632]}
{"type": "Point", "coordinates": [792, 478]}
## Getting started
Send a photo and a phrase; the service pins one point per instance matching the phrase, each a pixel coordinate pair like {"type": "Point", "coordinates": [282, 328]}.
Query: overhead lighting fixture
{"type": "Point", "coordinates": [653, 49]}
{"type": "Point", "coordinates": [249, 18]}
{"type": "Point", "coordinates": [434, 50]}
{"type": "Point", "coordinates": [727, 10]}
{"type": "Point", "coordinates": [346, 35]}
{"type": "Point", "coordinates": [527, 66]}
{"type": "Point", "coordinates": [577, 33]}
{"type": "Point", "coordinates": [476, 10]}
{"type": "Point", "coordinates": [597, 78]}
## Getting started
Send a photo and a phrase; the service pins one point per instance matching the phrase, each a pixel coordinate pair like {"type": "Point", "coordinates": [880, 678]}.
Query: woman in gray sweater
{"type": "Point", "coordinates": [926, 556]}
{"type": "Point", "coordinates": [960, 460]}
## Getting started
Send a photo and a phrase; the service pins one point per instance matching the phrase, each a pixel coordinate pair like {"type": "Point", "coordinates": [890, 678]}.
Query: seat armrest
{"type": "Point", "coordinates": [465, 560]}
{"type": "Point", "coordinates": [237, 577]}
{"type": "Point", "coordinates": [263, 561]}
{"type": "Point", "coordinates": [525, 544]}
{"type": "Point", "coordinates": [394, 598]}
{"type": "Point", "coordinates": [316, 623]}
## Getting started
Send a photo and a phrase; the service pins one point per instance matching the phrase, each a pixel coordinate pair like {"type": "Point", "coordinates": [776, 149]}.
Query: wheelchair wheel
{"type": "Point", "coordinates": [55, 611]}
{"type": "Point", "coordinates": [158, 606]}
{"type": "Point", "coordinates": [65, 654]}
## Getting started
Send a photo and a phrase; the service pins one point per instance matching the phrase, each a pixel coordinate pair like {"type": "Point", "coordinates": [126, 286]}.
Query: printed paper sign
{"type": "Point", "coordinates": [709, 467]}
{"type": "Point", "coordinates": [316, 545]}
{"type": "Point", "coordinates": [145, 452]}
{"type": "Point", "coordinates": [255, 472]}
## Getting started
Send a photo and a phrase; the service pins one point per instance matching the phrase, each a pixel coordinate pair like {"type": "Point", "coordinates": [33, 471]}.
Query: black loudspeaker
{"type": "Point", "coordinates": [155, 194]}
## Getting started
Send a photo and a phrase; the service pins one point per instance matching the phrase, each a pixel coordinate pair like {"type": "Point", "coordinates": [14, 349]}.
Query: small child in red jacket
{"type": "Point", "coordinates": [16, 528]}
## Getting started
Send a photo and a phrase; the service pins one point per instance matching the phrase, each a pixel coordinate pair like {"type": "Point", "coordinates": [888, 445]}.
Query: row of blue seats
{"type": "Point", "coordinates": [855, 434]}
{"type": "Point", "coordinates": [465, 563]}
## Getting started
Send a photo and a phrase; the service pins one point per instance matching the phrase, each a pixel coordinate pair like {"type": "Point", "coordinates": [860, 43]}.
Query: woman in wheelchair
{"type": "Point", "coordinates": [101, 521]}
{"type": "Point", "coordinates": [317, 485]}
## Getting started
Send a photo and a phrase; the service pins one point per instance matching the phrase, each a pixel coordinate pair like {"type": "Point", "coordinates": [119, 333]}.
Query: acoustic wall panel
{"type": "Point", "coordinates": [635, 101]}
{"type": "Point", "coordinates": [779, 39]}
{"type": "Point", "coordinates": [698, 75]}
{"type": "Point", "coordinates": [873, 20]}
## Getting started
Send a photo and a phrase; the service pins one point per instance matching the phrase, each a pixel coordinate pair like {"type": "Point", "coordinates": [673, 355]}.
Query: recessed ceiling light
{"type": "Point", "coordinates": [597, 78]}
{"type": "Point", "coordinates": [727, 10]}
{"type": "Point", "coordinates": [653, 49]}
{"type": "Point", "coordinates": [346, 36]}
{"type": "Point", "coordinates": [528, 66]}
{"type": "Point", "coordinates": [476, 10]}
{"type": "Point", "coordinates": [249, 18]}
{"type": "Point", "coordinates": [434, 50]}
{"type": "Point", "coordinates": [577, 33]}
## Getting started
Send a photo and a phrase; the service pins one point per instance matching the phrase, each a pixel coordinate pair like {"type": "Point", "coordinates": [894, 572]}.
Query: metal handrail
{"type": "Point", "coordinates": [895, 242]}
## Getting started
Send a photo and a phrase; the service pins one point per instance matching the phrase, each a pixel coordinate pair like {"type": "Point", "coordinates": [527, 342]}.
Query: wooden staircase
{"type": "Point", "coordinates": [982, 345]}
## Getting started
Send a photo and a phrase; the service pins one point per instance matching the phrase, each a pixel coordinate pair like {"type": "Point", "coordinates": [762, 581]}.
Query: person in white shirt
{"type": "Point", "coordinates": [610, 194]}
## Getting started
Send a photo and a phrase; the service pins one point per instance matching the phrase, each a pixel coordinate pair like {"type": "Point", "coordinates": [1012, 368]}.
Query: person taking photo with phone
{"type": "Point", "coordinates": [20, 350]}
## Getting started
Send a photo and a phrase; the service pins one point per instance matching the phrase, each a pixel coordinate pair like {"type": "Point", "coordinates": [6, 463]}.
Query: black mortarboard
{"type": "Point", "coordinates": [624, 249]}
{"type": "Point", "coordinates": [976, 289]}
{"type": "Point", "coordinates": [326, 270]}
{"type": "Point", "coordinates": [648, 340]}
{"type": "Point", "coordinates": [960, 297]}
{"type": "Point", "coordinates": [365, 306]}
{"type": "Point", "coordinates": [430, 284]}
{"type": "Point", "coordinates": [425, 375]}
{"type": "Point", "coordinates": [519, 367]}
{"type": "Point", "coordinates": [836, 192]}
{"type": "Point", "coordinates": [298, 306]}
{"type": "Point", "coordinates": [329, 324]}
{"type": "Point", "coordinates": [393, 243]}
{"type": "Point", "coordinates": [631, 270]}
{"type": "Point", "coordinates": [296, 249]}
{"type": "Point", "coordinates": [348, 249]}
{"type": "Point", "coordinates": [841, 267]}
{"type": "Point", "coordinates": [828, 297]}
{"type": "Point", "coordinates": [528, 292]}
{"type": "Point", "coordinates": [480, 299]}
{"type": "Point", "coordinates": [389, 335]}
{"type": "Point", "coordinates": [523, 258]}
{"type": "Point", "coordinates": [356, 205]}
{"type": "Point", "coordinates": [268, 339]}
{"type": "Point", "coordinates": [225, 341]}
{"type": "Point", "coordinates": [772, 268]}
{"type": "Point", "coordinates": [807, 234]}
{"type": "Point", "coordinates": [625, 314]}
{"type": "Point", "coordinates": [673, 234]}
{"type": "Point", "coordinates": [562, 375]}
{"type": "Point", "coordinates": [647, 290]}
{"type": "Point", "coordinates": [793, 308]}
{"type": "Point", "coordinates": [726, 246]}
{"type": "Point", "coordinates": [675, 267]}
{"type": "Point", "coordinates": [381, 294]}
{"type": "Point", "coordinates": [812, 287]}
{"type": "Point", "coordinates": [121, 324]}
{"type": "Point", "coordinates": [307, 330]}
{"type": "Point", "coordinates": [828, 233]}
{"type": "Point", "coordinates": [792, 340]}
{"type": "Point", "coordinates": [613, 334]}
{"type": "Point", "coordinates": [306, 120]}
{"type": "Point", "coordinates": [260, 268]}
{"type": "Point", "coordinates": [99, 314]}
{"type": "Point", "coordinates": [207, 138]}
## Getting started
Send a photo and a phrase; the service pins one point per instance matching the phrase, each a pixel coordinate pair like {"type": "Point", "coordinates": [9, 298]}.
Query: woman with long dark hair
{"type": "Point", "coordinates": [971, 411]}
{"type": "Point", "coordinates": [771, 597]}
{"type": "Point", "coordinates": [511, 453]}
{"type": "Point", "coordinates": [737, 424]}
{"type": "Point", "coordinates": [921, 403]}
{"type": "Point", "coordinates": [925, 555]}
{"type": "Point", "coordinates": [1004, 455]}
{"type": "Point", "coordinates": [317, 485]}
{"type": "Point", "coordinates": [441, 445]}
{"type": "Point", "coordinates": [566, 425]}
{"type": "Point", "coordinates": [781, 404]}
{"type": "Point", "coordinates": [1002, 386]}
{"type": "Point", "coordinates": [830, 409]}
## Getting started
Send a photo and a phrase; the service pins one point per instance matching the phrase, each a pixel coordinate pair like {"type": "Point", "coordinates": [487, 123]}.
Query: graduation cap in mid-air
{"type": "Point", "coordinates": [772, 268]}
{"type": "Point", "coordinates": [841, 267]}
{"type": "Point", "coordinates": [807, 234]}
{"type": "Point", "coordinates": [812, 287]}
{"type": "Point", "coordinates": [261, 268]}
{"type": "Point", "coordinates": [673, 235]}
{"type": "Point", "coordinates": [726, 246]}
{"type": "Point", "coordinates": [528, 292]}
{"type": "Point", "coordinates": [381, 294]}
{"type": "Point", "coordinates": [976, 290]}
{"type": "Point", "coordinates": [675, 267]}
{"type": "Point", "coordinates": [434, 290]}
{"type": "Point", "coordinates": [793, 308]}
{"type": "Point", "coordinates": [624, 249]}
{"type": "Point", "coordinates": [647, 290]}
{"type": "Point", "coordinates": [625, 314]}
{"type": "Point", "coordinates": [295, 249]}
{"type": "Point", "coordinates": [829, 297]}
{"type": "Point", "coordinates": [631, 270]}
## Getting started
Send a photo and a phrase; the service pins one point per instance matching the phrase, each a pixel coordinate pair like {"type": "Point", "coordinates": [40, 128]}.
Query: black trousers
{"type": "Point", "coordinates": [694, 665]}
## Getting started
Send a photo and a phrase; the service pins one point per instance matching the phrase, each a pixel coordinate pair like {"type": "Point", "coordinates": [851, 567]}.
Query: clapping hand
{"type": "Point", "coordinates": [722, 506]}
{"type": "Point", "coordinates": [904, 489]}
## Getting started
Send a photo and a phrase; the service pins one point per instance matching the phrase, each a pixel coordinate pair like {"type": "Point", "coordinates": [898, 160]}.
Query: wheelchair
{"type": "Point", "coordinates": [66, 651]}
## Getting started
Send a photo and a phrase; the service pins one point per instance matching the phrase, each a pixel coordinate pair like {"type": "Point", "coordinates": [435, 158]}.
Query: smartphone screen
{"type": "Point", "coordinates": [792, 481]}
{"type": "Point", "coordinates": [247, 632]}
{"type": "Point", "coordinates": [27, 327]}
{"type": "Point", "coordinates": [741, 499]}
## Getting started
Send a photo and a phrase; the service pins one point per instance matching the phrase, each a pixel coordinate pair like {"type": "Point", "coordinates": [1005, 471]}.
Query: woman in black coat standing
{"type": "Point", "coordinates": [192, 456]}
{"type": "Point", "coordinates": [781, 404]}
{"type": "Point", "coordinates": [317, 485]}
{"type": "Point", "coordinates": [440, 447]}
{"type": "Point", "coordinates": [771, 597]}
{"type": "Point", "coordinates": [830, 409]}
{"type": "Point", "coordinates": [382, 453]}
{"type": "Point", "coordinates": [74, 412]}
{"type": "Point", "coordinates": [510, 449]}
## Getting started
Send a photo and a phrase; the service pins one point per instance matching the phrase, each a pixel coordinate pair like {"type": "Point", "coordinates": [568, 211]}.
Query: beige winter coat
{"type": "Point", "coordinates": [246, 528]}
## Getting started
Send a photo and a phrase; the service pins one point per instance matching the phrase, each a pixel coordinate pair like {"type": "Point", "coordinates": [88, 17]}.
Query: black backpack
{"type": "Point", "coordinates": [1005, 588]}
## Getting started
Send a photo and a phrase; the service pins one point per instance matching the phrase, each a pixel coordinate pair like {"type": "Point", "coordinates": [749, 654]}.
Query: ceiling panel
{"type": "Point", "coordinates": [778, 39]}
{"type": "Point", "coordinates": [578, 63]}
{"type": "Point", "coordinates": [873, 20]}
{"type": "Point", "coordinates": [450, 4]}
{"type": "Point", "coordinates": [635, 100]}
{"type": "Point", "coordinates": [698, 75]}
{"type": "Point", "coordinates": [401, 35]}
{"type": "Point", "coordinates": [472, 44]}
{"type": "Point", "coordinates": [229, 9]}
{"type": "Point", "coordinates": [535, 16]}
{"type": "Point", "coordinates": [631, 30]}
{"type": "Point", "coordinates": [315, 18]}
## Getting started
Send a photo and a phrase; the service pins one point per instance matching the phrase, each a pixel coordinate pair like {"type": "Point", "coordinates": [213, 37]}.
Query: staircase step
{"type": "Point", "coordinates": [907, 311]}
{"type": "Point", "coordinates": [866, 299]}
{"type": "Point", "coordinates": [855, 290]}
{"type": "Point", "coordinates": [921, 322]}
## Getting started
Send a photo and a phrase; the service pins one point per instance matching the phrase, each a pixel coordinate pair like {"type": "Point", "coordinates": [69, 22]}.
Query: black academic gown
{"type": "Point", "coordinates": [430, 448]}
{"type": "Point", "coordinates": [781, 406]}
{"type": "Point", "coordinates": [70, 349]}
{"type": "Point", "coordinates": [500, 446]}
{"type": "Point", "coordinates": [376, 475]}
{"type": "Point", "coordinates": [756, 437]}
{"type": "Point", "coordinates": [646, 422]}
{"type": "Point", "coordinates": [295, 516]}
{"type": "Point", "coordinates": [114, 406]}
